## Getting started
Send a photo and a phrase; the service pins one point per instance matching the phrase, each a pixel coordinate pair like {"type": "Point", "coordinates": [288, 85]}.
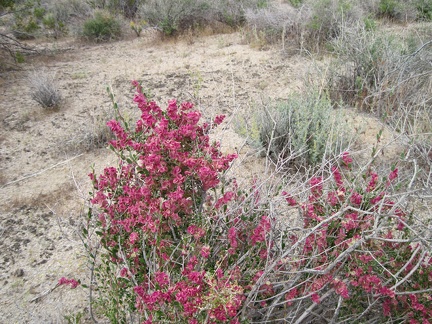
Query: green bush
{"type": "Point", "coordinates": [6, 4]}
{"type": "Point", "coordinates": [424, 9]}
{"type": "Point", "coordinates": [27, 18]}
{"type": "Point", "coordinates": [296, 3]}
{"type": "Point", "coordinates": [397, 10]}
{"type": "Point", "coordinates": [174, 16]}
{"type": "Point", "coordinates": [304, 129]}
{"type": "Point", "coordinates": [103, 27]}
{"type": "Point", "coordinates": [55, 24]}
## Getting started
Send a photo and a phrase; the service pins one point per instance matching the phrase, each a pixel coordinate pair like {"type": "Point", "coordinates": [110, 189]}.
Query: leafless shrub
{"type": "Point", "coordinates": [44, 89]}
{"type": "Point", "coordinates": [93, 134]}
{"type": "Point", "coordinates": [389, 77]}
{"type": "Point", "coordinates": [379, 72]}
{"type": "Point", "coordinates": [308, 26]}
{"type": "Point", "coordinates": [327, 19]}
{"type": "Point", "coordinates": [175, 16]}
{"type": "Point", "coordinates": [276, 22]}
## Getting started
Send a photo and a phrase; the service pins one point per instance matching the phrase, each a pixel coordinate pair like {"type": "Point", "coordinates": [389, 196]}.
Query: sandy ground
{"type": "Point", "coordinates": [45, 161]}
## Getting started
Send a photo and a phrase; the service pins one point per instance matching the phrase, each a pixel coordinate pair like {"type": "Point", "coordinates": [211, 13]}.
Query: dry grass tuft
{"type": "Point", "coordinates": [44, 89]}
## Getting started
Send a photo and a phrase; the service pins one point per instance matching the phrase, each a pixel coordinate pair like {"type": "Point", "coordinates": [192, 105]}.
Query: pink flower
{"type": "Point", "coordinates": [227, 197]}
{"type": "Point", "coordinates": [332, 198]}
{"type": "Point", "coordinates": [259, 233]}
{"type": "Point", "coordinates": [133, 237]}
{"type": "Point", "coordinates": [350, 221]}
{"type": "Point", "coordinates": [219, 119]}
{"type": "Point", "coordinates": [290, 200]}
{"type": "Point", "coordinates": [347, 160]}
{"type": "Point", "coordinates": [393, 175]}
{"type": "Point", "coordinates": [356, 199]}
{"type": "Point", "coordinates": [316, 184]}
{"type": "Point", "coordinates": [161, 278]}
{"type": "Point", "coordinates": [385, 291]}
{"type": "Point", "coordinates": [290, 295]}
{"type": "Point", "coordinates": [386, 307]}
{"type": "Point", "coordinates": [124, 272]}
{"type": "Point", "coordinates": [72, 282]}
{"type": "Point", "coordinates": [372, 183]}
{"type": "Point", "coordinates": [196, 232]}
{"type": "Point", "coordinates": [172, 109]}
{"type": "Point", "coordinates": [365, 258]}
{"type": "Point", "coordinates": [205, 251]}
{"type": "Point", "coordinates": [341, 288]}
{"type": "Point", "coordinates": [315, 298]}
{"type": "Point", "coordinates": [232, 237]}
{"type": "Point", "coordinates": [377, 198]}
{"type": "Point", "coordinates": [337, 176]}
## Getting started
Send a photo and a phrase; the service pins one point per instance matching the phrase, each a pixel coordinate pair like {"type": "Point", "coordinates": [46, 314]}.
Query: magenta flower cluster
{"type": "Point", "coordinates": [360, 249]}
{"type": "Point", "coordinates": [182, 243]}
{"type": "Point", "coordinates": [162, 220]}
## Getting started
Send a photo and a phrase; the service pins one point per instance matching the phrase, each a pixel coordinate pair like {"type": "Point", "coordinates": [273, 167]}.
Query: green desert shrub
{"type": "Point", "coordinates": [27, 20]}
{"type": "Point", "coordinates": [296, 3]}
{"type": "Point", "coordinates": [174, 16]}
{"type": "Point", "coordinates": [424, 9]}
{"type": "Point", "coordinates": [56, 21]}
{"type": "Point", "coordinates": [6, 4]}
{"type": "Point", "coordinates": [397, 10]}
{"type": "Point", "coordinates": [102, 27]}
{"type": "Point", "coordinates": [303, 129]}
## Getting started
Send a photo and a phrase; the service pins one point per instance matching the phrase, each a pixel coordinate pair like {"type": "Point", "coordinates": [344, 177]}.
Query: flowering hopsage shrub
{"type": "Point", "coordinates": [360, 258]}
{"type": "Point", "coordinates": [172, 234]}
{"type": "Point", "coordinates": [182, 243]}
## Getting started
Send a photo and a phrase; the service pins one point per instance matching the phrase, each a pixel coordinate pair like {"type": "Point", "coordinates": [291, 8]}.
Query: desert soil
{"type": "Point", "coordinates": [45, 161]}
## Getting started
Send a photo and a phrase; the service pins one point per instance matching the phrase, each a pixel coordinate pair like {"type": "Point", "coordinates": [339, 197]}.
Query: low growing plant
{"type": "Point", "coordinates": [138, 26]}
{"type": "Point", "coordinates": [397, 10]}
{"type": "Point", "coordinates": [306, 130]}
{"type": "Point", "coordinates": [103, 27]}
{"type": "Point", "coordinates": [57, 17]}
